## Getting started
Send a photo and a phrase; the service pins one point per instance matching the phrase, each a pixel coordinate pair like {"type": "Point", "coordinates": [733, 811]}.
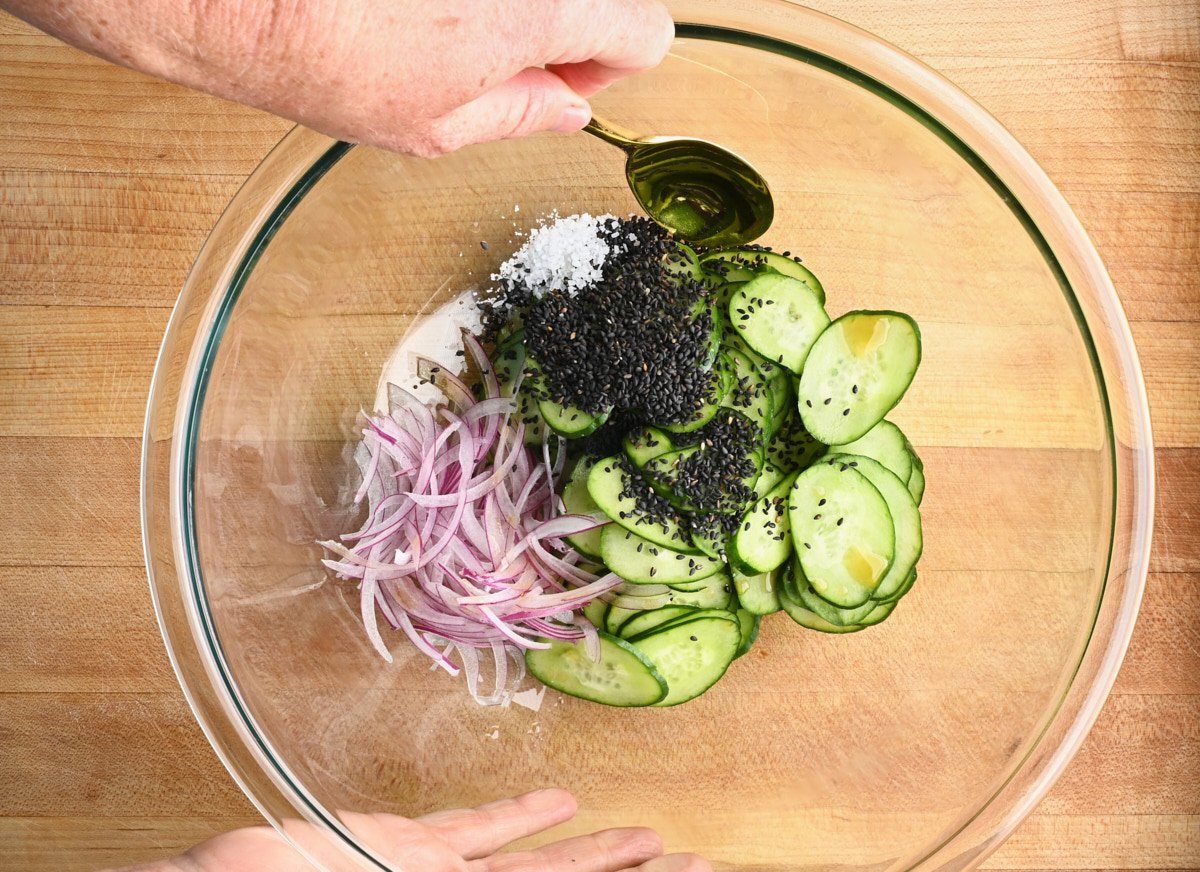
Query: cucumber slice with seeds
{"type": "Point", "coordinates": [669, 475]}
{"type": "Point", "coordinates": [763, 541]}
{"type": "Point", "coordinates": [770, 476]}
{"type": "Point", "coordinates": [577, 501]}
{"type": "Point", "coordinates": [884, 442]}
{"type": "Point", "coordinates": [791, 447]}
{"type": "Point", "coordinates": [840, 617]}
{"type": "Point", "coordinates": [565, 420]}
{"type": "Point", "coordinates": [616, 617]}
{"type": "Point", "coordinates": [682, 262]}
{"type": "Point", "coordinates": [878, 614]}
{"type": "Point", "coordinates": [779, 317]}
{"type": "Point", "coordinates": [904, 588]}
{"type": "Point", "coordinates": [842, 532]}
{"type": "Point", "coordinates": [707, 535]}
{"type": "Point", "coordinates": [640, 561]}
{"type": "Point", "coordinates": [647, 622]}
{"type": "Point", "coordinates": [614, 487]}
{"type": "Point", "coordinates": [508, 360]}
{"type": "Point", "coordinates": [723, 383]}
{"type": "Point", "coordinates": [740, 265]}
{"type": "Point", "coordinates": [509, 363]}
{"type": "Point", "coordinates": [716, 593]}
{"type": "Point", "coordinates": [624, 676]}
{"type": "Point", "coordinates": [916, 482]}
{"type": "Point", "coordinates": [748, 624]}
{"type": "Point", "coordinates": [644, 444]}
{"type": "Point", "coordinates": [570, 421]}
{"type": "Point", "coordinates": [692, 655]}
{"type": "Point", "coordinates": [758, 594]}
{"type": "Point", "coordinates": [856, 372]}
{"type": "Point", "coordinates": [595, 611]}
{"type": "Point", "coordinates": [906, 520]}
{"type": "Point", "coordinates": [811, 620]}
{"type": "Point", "coordinates": [750, 393]}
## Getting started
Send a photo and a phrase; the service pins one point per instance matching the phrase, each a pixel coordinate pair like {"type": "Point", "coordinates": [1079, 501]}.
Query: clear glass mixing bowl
{"type": "Point", "coordinates": [916, 744]}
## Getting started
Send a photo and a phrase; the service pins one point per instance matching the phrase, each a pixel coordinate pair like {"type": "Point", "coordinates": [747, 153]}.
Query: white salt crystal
{"type": "Point", "coordinates": [565, 253]}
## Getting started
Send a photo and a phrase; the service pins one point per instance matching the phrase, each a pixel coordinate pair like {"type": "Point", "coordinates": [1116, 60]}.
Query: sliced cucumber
{"type": "Point", "coordinates": [878, 614]}
{"type": "Point", "coordinates": [904, 588]}
{"type": "Point", "coordinates": [640, 561]}
{"type": "Point", "coordinates": [616, 617]}
{"type": "Point", "coordinates": [763, 541]}
{"type": "Point", "coordinates": [713, 347]}
{"type": "Point", "coordinates": [615, 490]}
{"type": "Point", "coordinates": [565, 420]}
{"type": "Point", "coordinates": [624, 676]}
{"type": "Point", "coordinates": [811, 620]}
{"type": "Point", "coordinates": [856, 372]}
{"type": "Point", "coordinates": [595, 611]}
{"type": "Point", "coordinates": [722, 383]}
{"type": "Point", "coordinates": [906, 520]}
{"type": "Point", "coordinates": [750, 393]}
{"type": "Point", "coordinates": [842, 532]}
{"type": "Point", "coordinates": [674, 476]}
{"type": "Point", "coordinates": [916, 482]}
{"type": "Point", "coordinates": [884, 442]}
{"type": "Point", "coordinates": [770, 476]}
{"type": "Point", "coordinates": [740, 265]}
{"type": "Point", "coordinates": [783, 399]}
{"type": "Point", "coordinates": [708, 535]}
{"type": "Point", "coordinates": [748, 624]}
{"type": "Point", "coordinates": [647, 622]}
{"type": "Point", "coordinates": [717, 593]}
{"type": "Point", "coordinates": [570, 421]}
{"type": "Point", "coordinates": [791, 448]}
{"type": "Point", "coordinates": [509, 363]}
{"type": "Point", "coordinates": [682, 262]}
{"type": "Point", "coordinates": [644, 444]}
{"type": "Point", "coordinates": [691, 656]}
{"type": "Point", "coordinates": [758, 594]}
{"type": "Point", "coordinates": [827, 611]}
{"type": "Point", "coordinates": [577, 501]}
{"type": "Point", "coordinates": [779, 317]}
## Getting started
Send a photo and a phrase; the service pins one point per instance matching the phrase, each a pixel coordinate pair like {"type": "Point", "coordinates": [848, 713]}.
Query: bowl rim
{"type": "Point", "coordinates": [886, 72]}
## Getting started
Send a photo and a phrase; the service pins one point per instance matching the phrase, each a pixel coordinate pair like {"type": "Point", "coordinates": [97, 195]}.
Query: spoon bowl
{"type": "Point", "coordinates": [703, 193]}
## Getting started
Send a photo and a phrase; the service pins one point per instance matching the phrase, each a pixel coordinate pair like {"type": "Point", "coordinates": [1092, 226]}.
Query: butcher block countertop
{"type": "Point", "coordinates": [109, 182]}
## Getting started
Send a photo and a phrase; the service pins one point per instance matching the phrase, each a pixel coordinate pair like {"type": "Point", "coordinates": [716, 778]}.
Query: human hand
{"type": "Point", "coordinates": [407, 75]}
{"type": "Point", "coordinates": [463, 840]}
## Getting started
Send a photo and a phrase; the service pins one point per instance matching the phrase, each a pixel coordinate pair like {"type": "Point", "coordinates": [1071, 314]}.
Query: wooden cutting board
{"type": "Point", "coordinates": [109, 182]}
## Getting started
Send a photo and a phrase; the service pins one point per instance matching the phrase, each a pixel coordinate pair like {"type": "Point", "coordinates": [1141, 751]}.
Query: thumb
{"type": "Point", "coordinates": [533, 100]}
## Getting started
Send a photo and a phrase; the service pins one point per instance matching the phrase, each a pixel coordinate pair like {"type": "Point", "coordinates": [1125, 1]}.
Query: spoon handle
{"type": "Point", "coordinates": [623, 139]}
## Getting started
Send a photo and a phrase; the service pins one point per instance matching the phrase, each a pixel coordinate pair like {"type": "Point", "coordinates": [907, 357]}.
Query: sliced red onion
{"type": "Point", "coordinates": [476, 530]}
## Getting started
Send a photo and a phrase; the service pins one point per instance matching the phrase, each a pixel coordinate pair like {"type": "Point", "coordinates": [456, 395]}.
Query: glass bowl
{"type": "Point", "coordinates": [920, 743]}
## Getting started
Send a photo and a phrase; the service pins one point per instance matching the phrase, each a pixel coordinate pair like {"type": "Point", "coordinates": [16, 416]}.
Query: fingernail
{"type": "Point", "coordinates": [574, 118]}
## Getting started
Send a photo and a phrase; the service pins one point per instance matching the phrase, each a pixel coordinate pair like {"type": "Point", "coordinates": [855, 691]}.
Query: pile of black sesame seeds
{"type": "Point", "coordinates": [714, 476]}
{"type": "Point", "coordinates": [631, 340]}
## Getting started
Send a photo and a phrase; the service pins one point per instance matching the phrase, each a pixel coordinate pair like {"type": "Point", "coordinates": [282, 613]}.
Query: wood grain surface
{"type": "Point", "coordinates": [109, 182]}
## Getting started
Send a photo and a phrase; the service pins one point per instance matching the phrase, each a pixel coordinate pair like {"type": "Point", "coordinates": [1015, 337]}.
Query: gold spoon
{"type": "Point", "coordinates": [705, 194]}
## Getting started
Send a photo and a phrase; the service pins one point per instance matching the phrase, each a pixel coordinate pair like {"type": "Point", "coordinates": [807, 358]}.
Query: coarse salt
{"type": "Point", "coordinates": [561, 253]}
